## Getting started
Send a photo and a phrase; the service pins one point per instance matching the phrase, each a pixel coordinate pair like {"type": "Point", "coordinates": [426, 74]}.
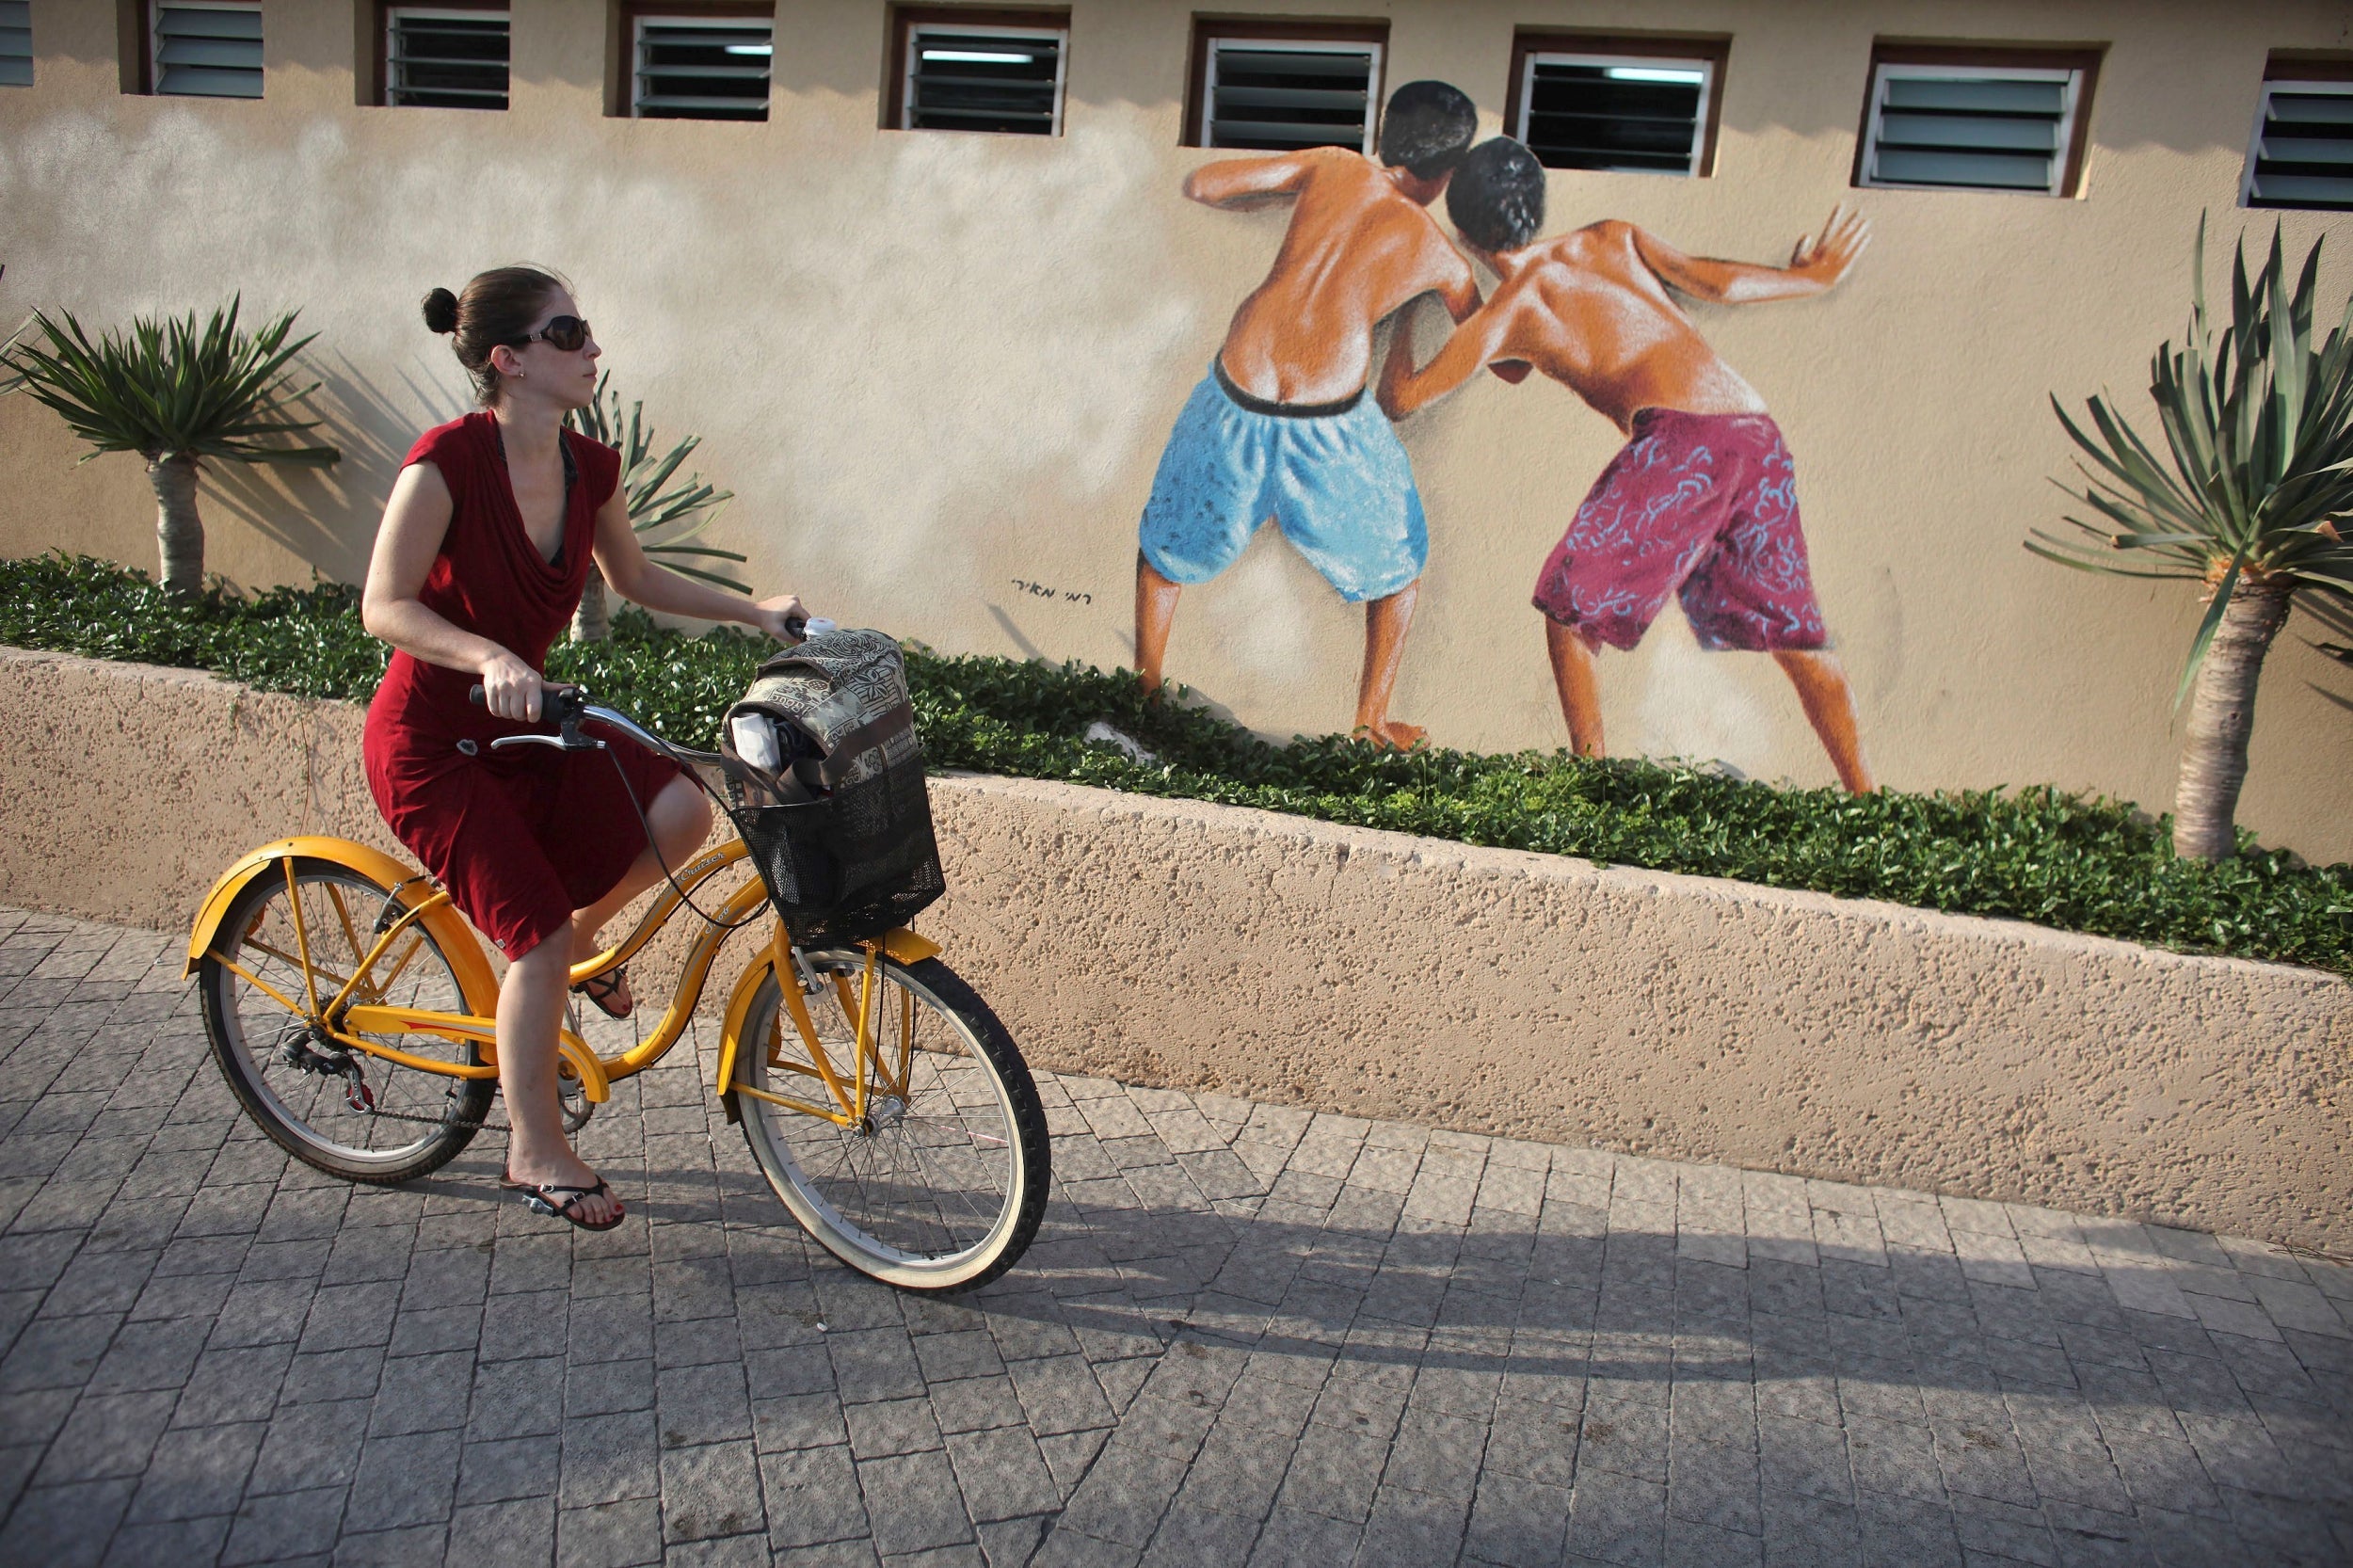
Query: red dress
{"type": "Point", "coordinates": [523, 836]}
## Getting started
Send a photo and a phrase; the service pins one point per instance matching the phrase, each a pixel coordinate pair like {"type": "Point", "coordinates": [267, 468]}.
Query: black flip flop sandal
{"type": "Point", "coordinates": [602, 988]}
{"type": "Point", "coordinates": [536, 1199]}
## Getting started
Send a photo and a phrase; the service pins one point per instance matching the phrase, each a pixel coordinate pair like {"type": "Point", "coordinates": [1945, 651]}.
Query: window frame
{"type": "Point", "coordinates": [380, 79]}
{"type": "Point", "coordinates": [1713, 49]}
{"type": "Point", "coordinates": [2021, 62]}
{"type": "Point", "coordinates": [2289, 68]}
{"type": "Point", "coordinates": [630, 16]}
{"type": "Point", "coordinates": [1209, 31]}
{"type": "Point", "coordinates": [150, 41]}
{"type": "Point", "coordinates": [31, 57]}
{"type": "Point", "coordinates": [1028, 22]}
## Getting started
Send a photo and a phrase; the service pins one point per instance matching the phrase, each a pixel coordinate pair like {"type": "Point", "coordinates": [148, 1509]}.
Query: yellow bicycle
{"type": "Point", "coordinates": [352, 1010]}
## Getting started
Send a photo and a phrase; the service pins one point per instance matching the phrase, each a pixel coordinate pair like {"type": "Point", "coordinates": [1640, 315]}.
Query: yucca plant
{"type": "Point", "coordinates": [177, 395]}
{"type": "Point", "coordinates": [677, 515]}
{"type": "Point", "coordinates": [2250, 501]}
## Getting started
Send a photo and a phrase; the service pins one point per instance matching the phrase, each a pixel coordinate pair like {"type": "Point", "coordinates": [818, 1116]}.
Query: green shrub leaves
{"type": "Point", "coordinates": [2034, 855]}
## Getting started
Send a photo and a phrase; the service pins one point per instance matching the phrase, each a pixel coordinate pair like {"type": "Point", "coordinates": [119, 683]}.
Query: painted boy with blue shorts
{"type": "Point", "coordinates": [1280, 429]}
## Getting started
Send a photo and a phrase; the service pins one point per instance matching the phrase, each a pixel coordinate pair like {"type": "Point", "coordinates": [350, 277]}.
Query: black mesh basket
{"type": "Point", "coordinates": [852, 864]}
{"type": "Point", "coordinates": [858, 858]}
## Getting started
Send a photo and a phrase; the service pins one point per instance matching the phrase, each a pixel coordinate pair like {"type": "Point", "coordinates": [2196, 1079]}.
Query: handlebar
{"type": "Point", "coordinates": [567, 708]}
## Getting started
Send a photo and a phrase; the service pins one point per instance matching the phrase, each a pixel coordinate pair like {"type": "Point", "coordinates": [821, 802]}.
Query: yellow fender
{"type": "Point", "coordinates": [448, 928]}
{"type": "Point", "coordinates": [898, 943]}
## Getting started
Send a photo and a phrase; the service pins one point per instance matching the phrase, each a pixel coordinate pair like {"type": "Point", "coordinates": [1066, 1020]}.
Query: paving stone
{"type": "Point", "coordinates": [197, 1473]}
{"type": "Point", "coordinates": [62, 1526]}
{"type": "Point", "coordinates": [609, 1535]}
{"type": "Point", "coordinates": [710, 1490]}
{"type": "Point", "coordinates": [404, 1480]}
{"type": "Point", "coordinates": [283, 1526]}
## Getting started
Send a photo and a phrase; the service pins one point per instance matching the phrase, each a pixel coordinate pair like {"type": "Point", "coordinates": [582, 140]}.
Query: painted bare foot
{"type": "Point", "coordinates": [1392, 735]}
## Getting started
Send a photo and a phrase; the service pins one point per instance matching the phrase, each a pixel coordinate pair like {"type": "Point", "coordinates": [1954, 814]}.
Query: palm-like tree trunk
{"type": "Point", "coordinates": [2221, 714]}
{"type": "Point", "coordinates": [178, 529]}
{"type": "Point", "coordinates": [593, 621]}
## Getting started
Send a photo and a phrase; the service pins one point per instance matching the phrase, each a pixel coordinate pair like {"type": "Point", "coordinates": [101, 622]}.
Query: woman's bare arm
{"type": "Point", "coordinates": [622, 559]}
{"type": "Point", "coordinates": [415, 521]}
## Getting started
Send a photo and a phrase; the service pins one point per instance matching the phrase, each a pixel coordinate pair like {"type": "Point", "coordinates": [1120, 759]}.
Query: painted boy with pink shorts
{"type": "Point", "coordinates": [1701, 503]}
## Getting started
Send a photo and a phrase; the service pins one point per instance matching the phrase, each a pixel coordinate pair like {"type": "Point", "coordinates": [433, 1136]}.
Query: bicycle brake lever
{"type": "Point", "coordinates": [561, 742]}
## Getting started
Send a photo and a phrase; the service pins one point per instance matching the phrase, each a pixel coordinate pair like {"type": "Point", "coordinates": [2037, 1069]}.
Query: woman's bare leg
{"type": "Point", "coordinates": [1829, 702]}
{"type": "Point", "coordinates": [680, 818]}
{"type": "Point", "coordinates": [1580, 693]}
{"type": "Point", "coordinates": [531, 1009]}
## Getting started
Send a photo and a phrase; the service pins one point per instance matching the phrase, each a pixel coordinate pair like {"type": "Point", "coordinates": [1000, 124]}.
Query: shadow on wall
{"type": "Point", "coordinates": [328, 517]}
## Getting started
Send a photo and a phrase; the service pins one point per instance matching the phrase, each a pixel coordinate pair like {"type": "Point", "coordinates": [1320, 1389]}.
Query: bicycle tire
{"type": "Point", "coordinates": [895, 1224]}
{"type": "Point", "coordinates": [302, 1109]}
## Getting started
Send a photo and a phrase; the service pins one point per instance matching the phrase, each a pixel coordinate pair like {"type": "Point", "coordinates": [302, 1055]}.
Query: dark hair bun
{"type": "Point", "coordinates": [441, 311]}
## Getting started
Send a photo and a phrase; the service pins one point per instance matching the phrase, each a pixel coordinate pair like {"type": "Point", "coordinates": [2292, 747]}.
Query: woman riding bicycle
{"type": "Point", "coordinates": [484, 551]}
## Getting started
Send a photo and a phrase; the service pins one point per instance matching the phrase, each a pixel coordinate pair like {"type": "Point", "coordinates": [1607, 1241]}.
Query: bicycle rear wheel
{"type": "Point", "coordinates": [352, 1115]}
{"type": "Point", "coordinates": [940, 1187]}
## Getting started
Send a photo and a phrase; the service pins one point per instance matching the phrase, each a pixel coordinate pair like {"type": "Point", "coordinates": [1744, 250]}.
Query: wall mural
{"type": "Point", "coordinates": [1701, 503]}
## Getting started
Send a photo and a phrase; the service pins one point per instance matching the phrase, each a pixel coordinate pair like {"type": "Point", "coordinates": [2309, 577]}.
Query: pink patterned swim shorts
{"type": "Point", "coordinates": [1701, 506]}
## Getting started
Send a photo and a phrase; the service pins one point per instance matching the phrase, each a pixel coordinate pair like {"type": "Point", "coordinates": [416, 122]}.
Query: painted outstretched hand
{"type": "Point", "coordinates": [1825, 258]}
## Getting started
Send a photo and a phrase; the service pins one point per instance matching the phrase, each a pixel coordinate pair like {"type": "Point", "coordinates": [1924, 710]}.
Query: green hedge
{"type": "Point", "coordinates": [2035, 854]}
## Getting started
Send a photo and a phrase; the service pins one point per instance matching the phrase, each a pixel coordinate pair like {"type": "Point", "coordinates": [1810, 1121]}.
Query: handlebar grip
{"type": "Point", "coordinates": [478, 696]}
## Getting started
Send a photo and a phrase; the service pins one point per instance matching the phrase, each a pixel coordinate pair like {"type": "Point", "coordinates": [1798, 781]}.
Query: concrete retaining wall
{"type": "Point", "coordinates": [1207, 947]}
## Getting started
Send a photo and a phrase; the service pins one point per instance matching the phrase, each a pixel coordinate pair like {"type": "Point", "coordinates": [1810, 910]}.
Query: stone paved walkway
{"type": "Point", "coordinates": [1247, 1334]}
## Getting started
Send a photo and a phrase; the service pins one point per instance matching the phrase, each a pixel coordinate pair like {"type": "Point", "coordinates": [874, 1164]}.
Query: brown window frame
{"type": "Point", "coordinates": [905, 18]}
{"type": "Point", "coordinates": [1714, 48]}
{"type": "Point", "coordinates": [376, 85]}
{"type": "Point", "coordinates": [134, 47]}
{"type": "Point", "coordinates": [1209, 28]}
{"type": "Point", "coordinates": [2307, 65]}
{"type": "Point", "coordinates": [2085, 58]}
{"type": "Point", "coordinates": [620, 41]}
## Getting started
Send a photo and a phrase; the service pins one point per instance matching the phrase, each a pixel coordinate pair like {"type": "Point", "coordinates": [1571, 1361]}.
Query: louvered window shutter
{"type": "Point", "coordinates": [445, 59]}
{"type": "Point", "coordinates": [2303, 152]}
{"type": "Point", "coordinates": [698, 68]}
{"type": "Point", "coordinates": [16, 43]}
{"type": "Point", "coordinates": [1623, 113]}
{"type": "Point", "coordinates": [208, 51]}
{"type": "Point", "coordinates": [1275, 95]}
{"type": "Point", "coordinates": [1972, 127]}
{"type": "Point", "coordinates": [970, 79]}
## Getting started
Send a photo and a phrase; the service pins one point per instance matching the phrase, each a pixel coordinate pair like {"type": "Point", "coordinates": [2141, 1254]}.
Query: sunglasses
{"type": "Point", "coordinates": [563, 332]}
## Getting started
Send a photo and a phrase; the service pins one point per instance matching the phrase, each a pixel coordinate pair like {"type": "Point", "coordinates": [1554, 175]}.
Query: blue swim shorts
{"type": "Point", "coordinates": [1333, 476]}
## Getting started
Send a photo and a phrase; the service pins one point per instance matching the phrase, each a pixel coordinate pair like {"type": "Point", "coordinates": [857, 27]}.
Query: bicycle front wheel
{"type": "Point", "coordinates": [359, 1116]}
{"type": "Point", "coordinates": [940, 1184]}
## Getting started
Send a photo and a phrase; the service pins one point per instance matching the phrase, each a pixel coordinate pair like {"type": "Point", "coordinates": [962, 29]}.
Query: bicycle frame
{"type": "Point", "coordinates": [355, 1009]}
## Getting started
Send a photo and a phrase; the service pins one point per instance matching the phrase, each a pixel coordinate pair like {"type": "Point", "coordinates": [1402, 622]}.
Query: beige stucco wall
{"type": "Point", "coordinates": [934, 364]}
{"type": "Point", "coordinates": [1177, 943]}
